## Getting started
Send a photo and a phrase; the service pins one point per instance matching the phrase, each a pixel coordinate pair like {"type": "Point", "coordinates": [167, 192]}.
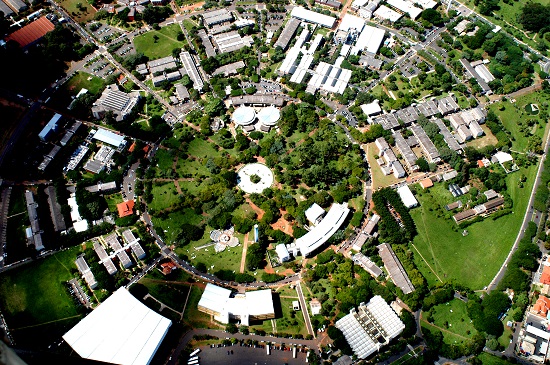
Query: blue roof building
{"type": "Point", "coordinates": [50, 127]}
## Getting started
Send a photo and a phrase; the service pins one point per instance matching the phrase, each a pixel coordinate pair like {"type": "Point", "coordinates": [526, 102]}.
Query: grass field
{"type": "Point", "coordinates": [488, 359]}
{"type": "Point", "coordinates": [453, 317]}
{"type": "Point", "coordinates": [516, 111]}
{"type": "Point", "coordinates": [192, 316]}
{"type": "Point", "coordinates": [172, 295]}
{"type": "Point", "coordinates": [378, 177]}
{"type": "Point", "coordinates": [113, 200]}
{"type": "Point", "coordinates": [84, 80]}
{"type": "Point", "coordinates": [166, 42]}
{"type": "Point", "coordinates": [464, 258]}
{"type": "Point", "coordinates": [486, 140]}
{"type": "Point", "coordinates": [35, 294]}
{"type": "Point", "coordinates": [18, 221]}
{"type": "Point", "coordinates": [165, 196]}
{"type": "Point", "coordinates": [72, 7]}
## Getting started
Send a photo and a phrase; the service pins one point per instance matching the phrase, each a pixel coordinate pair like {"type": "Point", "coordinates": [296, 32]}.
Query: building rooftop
{"type": "Point", "coordinates": [288, 33]}
{"type": "Point", "coordinates": [313, 17]}
{"type": "Point", "coordinates": [125, 208]}
{"type": "Point", "coordinates": [120, 330]}
{"type": "Point", "coordinates": [32, 32]}
{"type": "Point", "coordinates": [395, 269]}
{"type": "Point", "coordinates": [257, 100]}
{"type": "Point", "coordinates": [315, 238]}
{"type": "Point", "coordinates": [385, 13]}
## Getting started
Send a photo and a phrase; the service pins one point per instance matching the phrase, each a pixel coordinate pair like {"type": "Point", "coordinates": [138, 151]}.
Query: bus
{"type": "Point", "coordinates": [193, 358]}
{"type": "Point", "coordinates": [294, 352]}
{"type": "Point", "coordinates": [193, 362]}
{"type": "Point", "coordinates": [194, 352]}
{"type": "Point", "coordinates": [268, 349]}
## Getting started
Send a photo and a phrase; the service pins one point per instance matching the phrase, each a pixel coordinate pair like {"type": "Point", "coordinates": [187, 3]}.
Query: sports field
{"type": "Point", "coordinates": [159, 43]}
{"type": "Point", "coordinates": [474, 259]}
{"type": "Point", "coordinates": [35, 296]}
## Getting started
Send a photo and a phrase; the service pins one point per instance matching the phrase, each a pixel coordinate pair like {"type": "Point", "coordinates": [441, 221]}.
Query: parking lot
{"type": "Point", "coordinates": [99, 67]}
{"type": "Point", "coordinates": [242, 355]}
{"type": "Point", "coordinates": [103, 33]}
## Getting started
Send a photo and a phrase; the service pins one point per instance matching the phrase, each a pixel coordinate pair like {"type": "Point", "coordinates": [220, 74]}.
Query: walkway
{"type": "Point", "coordinates": [245, 249]}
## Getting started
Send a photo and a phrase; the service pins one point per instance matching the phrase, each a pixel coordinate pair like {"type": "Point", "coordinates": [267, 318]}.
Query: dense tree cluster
{"type": "Point", "coordinates": [390, 229]}
{"type": "Point", "coordinates": [534, 16]}
{"type": "Point", "coordinates": [485, 314]}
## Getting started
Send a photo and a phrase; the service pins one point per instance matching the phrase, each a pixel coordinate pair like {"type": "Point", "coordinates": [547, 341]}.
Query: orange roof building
{"type": "Point", "coordinates": [168, 267]}
{"type": "Point", "coordinates": [541, 306]}
{"type": "Point", "coordinates": [32, 32]}
{"type": "Point", "coordinates": [426, 183]}
{"type": "Point", "coordinates": [125, 208]}
{"type": "Point", "coordinates": [132, 147]}
{"type": "Point", "coordinates": [545, 277]}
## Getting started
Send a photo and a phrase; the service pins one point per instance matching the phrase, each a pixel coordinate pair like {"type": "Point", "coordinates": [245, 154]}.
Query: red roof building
{"type": "Point", "coordinates": [125, 208]}
{"type": "Point", "coordinates": [32, 32]}
{"type": "Point", "coordinates": [541, 306]}
{"type": "Point", "coordinates": [168, 267]}
{"type": "Point", "coordinates": [426, 183]}
{"type": "Point", "coordinates": [545, 277]}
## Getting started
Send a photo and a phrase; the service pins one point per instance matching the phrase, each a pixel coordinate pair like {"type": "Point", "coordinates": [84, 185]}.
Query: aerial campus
{"type": "Point", "coordinates": [274, 182]}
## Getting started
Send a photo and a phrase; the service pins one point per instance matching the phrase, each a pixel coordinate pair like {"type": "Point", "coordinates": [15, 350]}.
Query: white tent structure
{"type": "Point", "coordinates": [407, 196]}
{"type": "Point", "coordinates": [244, 115]}
{"type": "Point", "coordinates": [121, 330]}
{"type": "Point", "coordinates": [109, 137]}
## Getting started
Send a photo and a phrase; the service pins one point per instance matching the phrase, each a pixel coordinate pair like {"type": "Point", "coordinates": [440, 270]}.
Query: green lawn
{"type": "Point", "coordinates": [285, 323]}
{"type": "Point", "coordinates": [192, 315]}
{"type": "Point", "coordinates": [172, 295]}
{"type": "Point", "coordinates": [464, 258]}
{"type": "Point", "coordinates": [173, 230]}
{"type": "Point", "coordinates": [163, 46]}
{"type": "Point", "coordinates": [514, 112]}
{"type": "Point", "coordinates": [378, 177]}
{"type": "Point", "coordinates": [35, 294]}
{"type": "Point", "coordinates": [453, 317]}
{"type": "Point", "coordinates": [201, 148]}
{"type": "Point", "coordinates": [85, 80]}
{"type": "Point", "coordinates": [16, 245]}
{"type": "Point", "coordinates": [164, 196]}
{"type": "Point", "coordinates": [113, 200]}
{"type": "Point", "coordinates": [73, 9]}
{"type": "Point", "coordinates": [488, 359]}
{"type": "Point", "coordinates": [165, 160]}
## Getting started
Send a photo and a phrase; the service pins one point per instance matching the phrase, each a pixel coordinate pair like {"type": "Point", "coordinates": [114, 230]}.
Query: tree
{"type": "Point", "coordinates": [155, 38]}
{"type": "Point", "coordinates": [231, 328]}
{"type": "Point", "coordinates": [422, 164]}
{"type": "Point", "coordinates": [534, 16]}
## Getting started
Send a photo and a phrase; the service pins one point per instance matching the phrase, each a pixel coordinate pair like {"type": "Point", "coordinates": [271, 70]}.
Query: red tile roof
{"type": "Point", "coordinates": [126, 208]}
{"type": "Point", "coordinates": [545, 277]}
{"type": "Point", "coordinates": [426, 183]}
{"type": "Point", "coordinates": [542, 305]}
{"type": "Point", "coordinates": [168, 267]}
{"type": "Point", "coordinates": [32, 32]}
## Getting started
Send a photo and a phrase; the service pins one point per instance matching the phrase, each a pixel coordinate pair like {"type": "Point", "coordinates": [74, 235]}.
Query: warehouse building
{"type": "Point", "coordinates": [329, 78]}
{"type": "Point", "coordinates": [217, 17]}
{"type": "Point", "coordinates": [406, 7]}
{"type": "Point", "coordinates": [370, 327]}
{"type": "Point", "coordinates": [121, 330]}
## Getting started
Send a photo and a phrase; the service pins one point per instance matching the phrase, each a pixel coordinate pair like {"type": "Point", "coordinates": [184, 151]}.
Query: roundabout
{"type": "Point", "coordinates": [254, 178]}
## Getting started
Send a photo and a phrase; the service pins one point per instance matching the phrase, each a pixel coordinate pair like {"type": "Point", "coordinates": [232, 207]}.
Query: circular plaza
{"type": "Point", "coordinates": [254, 178]}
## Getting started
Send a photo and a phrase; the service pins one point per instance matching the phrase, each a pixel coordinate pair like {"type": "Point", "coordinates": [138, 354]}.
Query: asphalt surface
{"type": "Point", "coordinates": [305, 312]}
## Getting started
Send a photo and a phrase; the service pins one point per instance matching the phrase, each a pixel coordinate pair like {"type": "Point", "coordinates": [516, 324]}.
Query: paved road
{"type": "Point", "coordinates": [305, 312]}
{"type": "Point", "coordinates": [526, 219]}
{"type": "Point", "coordinates": [4, 206]}
{"type": "Point", "coordinates": [312, 344]}
{"type": "Point", "coordinates": [129, 182]}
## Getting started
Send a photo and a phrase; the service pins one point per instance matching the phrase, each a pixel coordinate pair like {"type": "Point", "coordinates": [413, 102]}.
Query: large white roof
{"type": "Point", "coordinates": [214, 298]}
{"type": "Point", "coordinates": [314, 212]}
{"type": "Point", "coordinates": [312, 17]}
{"type": "Point", "coordinates": [121, 330]}
{"type": "Point", "coordinates": [351, 22]}
{"type": "Point", "coordinates": [244, 115]}
{"type": "Point", "coordinates": [109, 137]}
{"type": "Point", "coordinates": [377, 314]}
{"type": "Point", "coordinates": [407, 196]}
{"type": "Point", "coordinates": [503, 157]}
{"type": "Point", "coordinates": [269, 116]}
{"type": "Point", "coordinates": [371, 108]}
{"type": "Point", "coordinates": [406, 7]}
{"type": "Point", "coordinates": [324, 230]}
{"type": "Point", "coordinates": [370, 39]}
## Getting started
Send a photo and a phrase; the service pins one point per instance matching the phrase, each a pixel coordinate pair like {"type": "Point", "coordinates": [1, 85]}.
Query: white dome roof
{"type": "Point", "coordinates": [243, 115]}
{"type": "Point", "coordinates": [269, 116]}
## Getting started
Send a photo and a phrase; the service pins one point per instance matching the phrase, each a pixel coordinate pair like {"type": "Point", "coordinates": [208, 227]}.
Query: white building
{"type": "Point", "coordinates": [313, 17]}
{"type": "Point", "coordinates": [315, 214]}
{"type": "Point", "coordinates": [406, 7]}
{"type": "Point", "coordinates": [371, 109]}
{"type": "Point", "coordinates": [329, 78]}
{"type": "Point", "coordinates": [385, 13]}
{"type": "Point", "coordinates": [121, 330]}
{"type": "Point", "coordinates": [370, 327]}
{"type": "Point", "coordinates": [253, 305]}
{"type": "Point", "coordinates": [282, 252]}
{"type": "Point", "coordinates": [106, 136]}
{"type": "Point", "coordinates": [320, 234]}
{"type": "Point", "coordinates": [79, 224]}
{"type": "Point", "coordinates": [407, 196]}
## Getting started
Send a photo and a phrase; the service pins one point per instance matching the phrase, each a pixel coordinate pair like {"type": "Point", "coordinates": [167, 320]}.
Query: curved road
{"type": "Point", "coordinates": [526, 219]}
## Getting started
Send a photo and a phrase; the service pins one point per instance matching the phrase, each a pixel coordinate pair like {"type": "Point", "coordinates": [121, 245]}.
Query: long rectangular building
{"type": "Point", "coordinates": [313, 17]}
{"type": "Point", "coordinates": [257, 100]}
{"type": "Point", "coordinates": [208, 47]}
{"type": "Point", "coordinates": [471, 72]}
{"type": "Point", "coordinates": [367, 264]}
{"type": "Point", "coordinates": [447, 136]}
{"type": "Point", "coordinates": [396, 271]}
{"type": "Point", "coordinates": [4, 8]}
{"type": "Point", "coordinates": [427, 145]}
{"type": "Point", "coordinates": [217, 17]}
{"type": "Point", "coordinates": [132, 241]}
{"type": "Point", "coordinates": [104, 258]}
{"type": "Point", "coordinates": [85, 271]}
{"type": "Point", "coordinates": [191, 69]}
{"type": "Point", "coordinates": [288, 33]}
{"type": "Point", "coordinates": [406, 151]}
{"type": "Point", "coordinates": [55, 210]}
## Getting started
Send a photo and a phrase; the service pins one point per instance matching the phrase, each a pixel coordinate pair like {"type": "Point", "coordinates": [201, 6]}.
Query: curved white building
{"type": "Point", "coordinates": [269, 116]}
{"type": "Point", "coordinates": [243, 115]}
{"type": "Point", "coordinates": [323, 230]}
